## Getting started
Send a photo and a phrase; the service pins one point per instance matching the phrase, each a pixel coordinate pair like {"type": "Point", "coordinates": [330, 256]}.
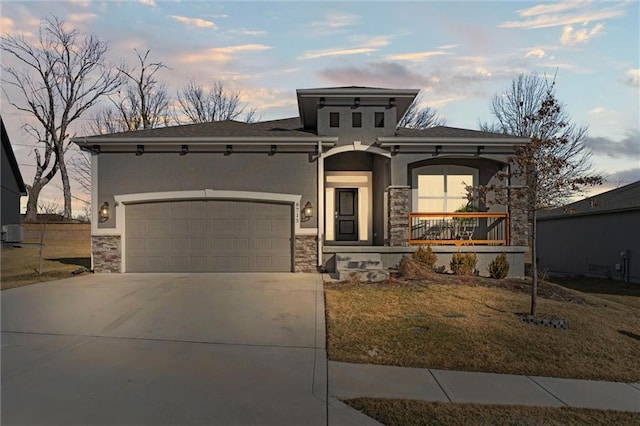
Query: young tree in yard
{"type": "Point", "coordinates": [199, 105]}
{"type": "Point", "coordinates": [420, 118]}
{"type": "Point", "coordinates": [522, 100]}
{"type": "Point", "coordinates": [56, 78]}
{"type": "Point", "coordinates": [543, 173]}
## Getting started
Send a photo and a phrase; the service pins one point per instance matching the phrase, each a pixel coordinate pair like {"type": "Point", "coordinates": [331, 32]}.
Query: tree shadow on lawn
{"type": "Point", "coordinates": [598, 285]}
{"type": "Point", "coordinates": [84, 262]}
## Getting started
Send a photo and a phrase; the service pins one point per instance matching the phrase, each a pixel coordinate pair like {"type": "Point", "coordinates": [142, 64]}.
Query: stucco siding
{"type": "Point", "coordinates": [281, 173]}
{"type": "Point", "coordinates": [590, 245]}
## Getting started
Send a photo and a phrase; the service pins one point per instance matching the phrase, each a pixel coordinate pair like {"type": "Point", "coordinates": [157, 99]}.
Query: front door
{"type": "Point", "coordinates": [346, 215]}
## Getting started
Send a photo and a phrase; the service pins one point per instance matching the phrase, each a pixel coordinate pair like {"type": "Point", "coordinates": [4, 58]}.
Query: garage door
{"type": "Point", "coordinates": [208, 236]}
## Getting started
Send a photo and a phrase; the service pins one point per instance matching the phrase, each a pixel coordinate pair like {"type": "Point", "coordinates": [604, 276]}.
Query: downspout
{"type": "Point", "coordinates": [321, 212]}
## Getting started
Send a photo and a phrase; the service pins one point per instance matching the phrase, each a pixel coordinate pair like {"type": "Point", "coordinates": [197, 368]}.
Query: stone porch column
{"type": "Point", "coordinates": [398, 215]}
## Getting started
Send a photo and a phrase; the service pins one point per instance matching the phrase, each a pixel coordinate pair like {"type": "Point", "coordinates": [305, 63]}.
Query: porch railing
{"type": "Point", "coordinates": [459, 228]}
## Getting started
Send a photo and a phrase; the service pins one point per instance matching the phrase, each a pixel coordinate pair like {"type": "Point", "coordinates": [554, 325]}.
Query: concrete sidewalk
{"type": "Point", "coordinates": [358, 380]}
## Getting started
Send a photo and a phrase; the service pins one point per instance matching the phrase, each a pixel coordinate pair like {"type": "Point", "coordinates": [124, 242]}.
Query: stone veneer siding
{"type": "Point", "coordinates": [306, 252]}
{"type": "Point", "coordinates": [107, 253]}
{"type": "Point", "coordinates": [398, 215]}
{"type": "Point", "coordinates": [519, 224]}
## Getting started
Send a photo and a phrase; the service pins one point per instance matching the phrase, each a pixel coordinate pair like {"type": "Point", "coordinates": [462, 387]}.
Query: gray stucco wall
{"type": "Point", "coordinates": [366, 134]}
{"type": "Point", "coordinates": [590, 245]}
{"type": "Point", "coordinates": [280, 173]}
{"type": "Point", "coordinates": [10, 193]}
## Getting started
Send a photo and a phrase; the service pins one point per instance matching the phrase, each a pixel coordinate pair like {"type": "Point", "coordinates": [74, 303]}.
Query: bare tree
{"type": "Point", "coordinates": [199, 105]}
{"type": "Point", "coordinates": [522, 100]}
{"type": "Point", "coordinates": [105, 120]}
{"type": "Point", "coordinates": [542, 173]}
{"type": "Point", "coordinates": [145, 104]}
{"type": "Point", "coordinates": [420, 118]}
{"type": "Point", "coordinates": [58, 77]}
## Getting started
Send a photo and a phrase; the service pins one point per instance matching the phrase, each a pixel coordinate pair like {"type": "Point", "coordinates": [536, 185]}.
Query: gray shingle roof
{"type": "Point", "coordinates": [446, 132]}
{"type": "Point", "coordinates": [229, 128]}
{"type": "Point", "coordinates": [619, 199]}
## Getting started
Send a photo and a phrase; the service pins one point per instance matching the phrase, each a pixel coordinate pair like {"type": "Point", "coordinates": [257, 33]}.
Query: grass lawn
{"type": "Point", "coordinates": [473, 324]}
{"type": "Point", "coordinates": [393, 412]}
{"type": "Point", "coordinates": [61, 257]}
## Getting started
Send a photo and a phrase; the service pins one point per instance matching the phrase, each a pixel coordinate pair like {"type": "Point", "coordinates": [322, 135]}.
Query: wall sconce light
{"type": "Point", "coordinates": [103, 213]}
{"type": "Point", "coordinates": [392, 102]}
{"type": "Point", "coordinates": [321, 102]}
{"type": "Point", "coordinates": [356, 102]}
{"type": "Point", "coordinates": [139, 149]}
{"type": "Point", "coordinates": [307, 212]}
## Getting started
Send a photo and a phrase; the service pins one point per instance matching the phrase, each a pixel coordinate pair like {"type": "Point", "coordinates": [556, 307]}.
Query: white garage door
{"type": "Point", "coordinates": [208, 236]}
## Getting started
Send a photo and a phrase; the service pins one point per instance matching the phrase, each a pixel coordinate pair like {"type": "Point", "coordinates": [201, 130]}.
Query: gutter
{"type": "Point", "coordinates": [389, 141]}
{"type": "Point", "coordinates": [205, 140]}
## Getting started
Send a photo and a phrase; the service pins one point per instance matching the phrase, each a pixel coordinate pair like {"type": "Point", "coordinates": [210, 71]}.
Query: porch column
{"type": "Point", "coordinates": [398, 215]}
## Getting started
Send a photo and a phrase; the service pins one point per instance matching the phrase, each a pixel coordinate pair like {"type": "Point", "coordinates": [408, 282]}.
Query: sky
{"type": "Point", "coordinates": [460, 54]}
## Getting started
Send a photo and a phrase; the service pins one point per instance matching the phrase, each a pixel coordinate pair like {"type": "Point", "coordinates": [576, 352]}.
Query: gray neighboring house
{"type": "Point", "coordinates": [292, 194]}
{"type": "Point", "coordinates": [597, 236]}
{"type": "Point", "coordinates": [12, 189]}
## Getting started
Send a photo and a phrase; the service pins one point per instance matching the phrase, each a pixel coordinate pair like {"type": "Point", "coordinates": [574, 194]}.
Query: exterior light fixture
{"type": "Point", "coordinates": [307, 212]}
{"type": "Point", "coordinates": [103, 213]}
{"type": "Point", "coordinates": [321, 102]}
{"type": "Point", "coordinates": [356, 102]}
{"type": "Point", "coordinates": [139, 149]}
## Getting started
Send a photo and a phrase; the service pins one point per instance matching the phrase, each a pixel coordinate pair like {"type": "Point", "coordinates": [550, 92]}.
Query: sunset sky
{"type": "Point", "coordinates": [459, 53]}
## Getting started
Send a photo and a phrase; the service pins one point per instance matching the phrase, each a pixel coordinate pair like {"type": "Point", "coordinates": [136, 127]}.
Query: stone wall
{"type": "Point", "coordinates": [519, 224]}
{"type": "Point", "coordinates": [306, 252]}
{"type": "Point", "coordinates": [398, 215]}
{"type": "Point", "coordinates": [107, 253]}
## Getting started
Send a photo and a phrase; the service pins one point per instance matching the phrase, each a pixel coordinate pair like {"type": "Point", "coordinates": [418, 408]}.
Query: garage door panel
{"type": "Point", "coordinates": [201, 236]}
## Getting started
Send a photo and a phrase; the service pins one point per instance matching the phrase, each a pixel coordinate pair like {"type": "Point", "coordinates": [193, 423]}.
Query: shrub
{"type": "Point", "coordinates": [499, 267]}
{"type": "Point", "coordinates": [426, 257]}
{"type": "Point", "coordinates": [463, 263]}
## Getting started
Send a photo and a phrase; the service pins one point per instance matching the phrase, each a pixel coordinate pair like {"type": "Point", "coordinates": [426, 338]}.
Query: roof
{"type": "Point", "coordinates": [625, 198]}
{"type": "Point", "coordinates": [7, 149]}
{"type": "Point", "coordinates": [228, 128]}
{"type": "Point", "coordinates": [450, 132]}
{"type": "Point", "coordinates": [228, 136]}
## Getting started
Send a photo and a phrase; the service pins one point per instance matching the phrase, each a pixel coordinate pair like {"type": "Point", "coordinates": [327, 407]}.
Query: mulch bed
{"type": "Point", "coordinates": [412, 272]}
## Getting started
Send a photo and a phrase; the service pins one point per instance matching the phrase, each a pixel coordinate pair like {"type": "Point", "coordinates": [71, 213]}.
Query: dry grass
{"type": "Point", "coordinates": [62, 256]}
{"type": "Point", "coordinates": [393, 412]}
{"type": "Point", "coordinates": [469, 325]}
{"type": "Point", "coordinates": [616, 291]}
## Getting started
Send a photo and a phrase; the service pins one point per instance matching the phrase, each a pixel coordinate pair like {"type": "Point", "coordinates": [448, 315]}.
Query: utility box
{"type": "Point", "coordinates": [12, 234]}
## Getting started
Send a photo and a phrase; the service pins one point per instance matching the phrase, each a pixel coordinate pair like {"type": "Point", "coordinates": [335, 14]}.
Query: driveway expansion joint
{"type": "Point", "coordinates": [151, 339]}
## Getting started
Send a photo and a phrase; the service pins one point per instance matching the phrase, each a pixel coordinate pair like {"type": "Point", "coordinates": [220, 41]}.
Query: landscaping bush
{"type": "Point", "coordinates": [411, 268]}
{"type": "Point", "coordinates": [426, 257]}
{"type": "Point", "coordinates": [463, 263]}
{"type": "Point", "coordinates": [499, 267]}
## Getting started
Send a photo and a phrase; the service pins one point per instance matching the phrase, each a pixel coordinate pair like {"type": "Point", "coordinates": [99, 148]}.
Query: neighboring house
{"type": "Point", "coordinates": [288, 195]}
{"type": "Point", "coordinates": [12, 189]}
{"type": "Point", "coordinates": [597, 236]}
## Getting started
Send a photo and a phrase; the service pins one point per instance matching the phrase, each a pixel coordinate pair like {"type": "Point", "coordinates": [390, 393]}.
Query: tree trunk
{"type": "Point", "coordinates": [66, 187]}
{"type": "Point", "coordinates": [32, 202]}
{"type": "Point", "coordinates": [534, 265]}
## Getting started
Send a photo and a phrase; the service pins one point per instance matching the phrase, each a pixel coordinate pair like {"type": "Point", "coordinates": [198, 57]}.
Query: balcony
{"type": "Point", "coordinates": [459, 228]}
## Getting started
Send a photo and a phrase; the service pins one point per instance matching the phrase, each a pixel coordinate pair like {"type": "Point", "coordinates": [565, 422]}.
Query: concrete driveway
{"type": "Point", "coordinates": [183, 349]}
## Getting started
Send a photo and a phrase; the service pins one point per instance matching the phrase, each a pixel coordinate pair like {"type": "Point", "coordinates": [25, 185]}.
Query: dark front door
{"type": "Point", "coordinates": [346, 214]}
